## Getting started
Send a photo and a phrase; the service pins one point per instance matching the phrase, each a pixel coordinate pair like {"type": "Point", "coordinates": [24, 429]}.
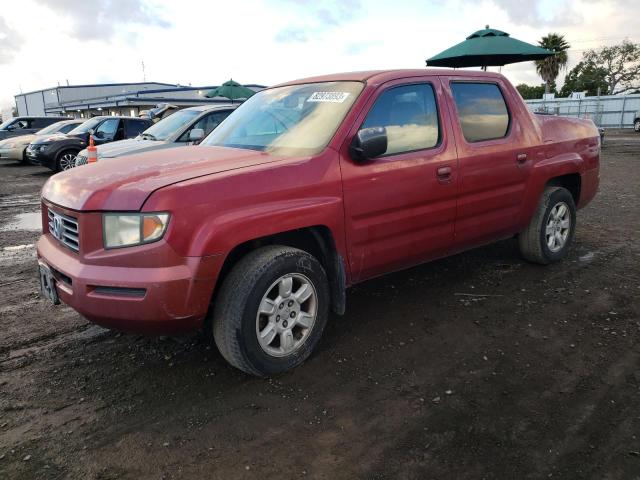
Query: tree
{"type": "Point", "coordinates": [585, 76]}
{"type": "Point", "coordinates": [550, 67]}
{"type": "Point", "coordinates": [530, 92]}
{"type": "Point", "coordinates": [621, 64]}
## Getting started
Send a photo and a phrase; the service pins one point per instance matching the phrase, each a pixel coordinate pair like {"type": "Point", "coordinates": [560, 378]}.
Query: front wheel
{"type": "Point", "coordinates": [65, 160]}
{"type": "Point", "coordinates": [549, 235]}
{"type": "Point", "coordinates": [636, 125]}
{"type": "Point", "coordinates": [271, 310]}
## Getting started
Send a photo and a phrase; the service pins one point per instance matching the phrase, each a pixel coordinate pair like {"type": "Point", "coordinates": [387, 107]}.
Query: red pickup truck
{"type": "Point", "coordinates": [307, 188]}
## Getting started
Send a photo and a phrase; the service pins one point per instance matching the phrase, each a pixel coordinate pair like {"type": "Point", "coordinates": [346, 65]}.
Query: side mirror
{"type": "Point", "coordinates": [369, 143]}
{"type": "Point", "coordinates": [98, 134]}
{"type": "Point", "coordinates": [11, 127]}
{"type": "Point", "coordinates": [196, 134]}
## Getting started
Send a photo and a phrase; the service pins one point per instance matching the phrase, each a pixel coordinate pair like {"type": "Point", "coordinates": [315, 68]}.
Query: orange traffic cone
{"type": "Point", "coordinates": [92, 151]}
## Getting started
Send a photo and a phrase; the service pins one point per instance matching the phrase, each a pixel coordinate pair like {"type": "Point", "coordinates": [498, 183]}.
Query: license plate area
{"type": "Point", "coordinates": [48, 284]}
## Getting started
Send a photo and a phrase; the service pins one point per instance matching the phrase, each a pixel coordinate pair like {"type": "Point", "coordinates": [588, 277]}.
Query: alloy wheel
{"type": "Point", "coordinates": [286, 315]}
{"type": "Point", "coordinates": [558, 227]}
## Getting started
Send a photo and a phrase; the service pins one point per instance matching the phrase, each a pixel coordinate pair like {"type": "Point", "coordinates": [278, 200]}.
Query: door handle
{"type": "Point", "coordinates": [444, 174]}
{"type": "Point", "coordinates": [521, 158]}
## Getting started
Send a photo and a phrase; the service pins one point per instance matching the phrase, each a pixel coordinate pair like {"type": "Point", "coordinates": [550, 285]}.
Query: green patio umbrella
{"type": "Point", "coordinates": [488, 47]}
{"type": "Point", "coordinates": [231, 90]}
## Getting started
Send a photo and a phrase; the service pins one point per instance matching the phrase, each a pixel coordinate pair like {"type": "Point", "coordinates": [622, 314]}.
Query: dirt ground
{"type": "Point", "coordinates": [478, 366]}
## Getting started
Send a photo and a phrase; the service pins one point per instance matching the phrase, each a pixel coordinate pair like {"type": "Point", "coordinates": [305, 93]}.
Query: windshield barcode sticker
{"type": "Point", "coordinates": [333, 97]}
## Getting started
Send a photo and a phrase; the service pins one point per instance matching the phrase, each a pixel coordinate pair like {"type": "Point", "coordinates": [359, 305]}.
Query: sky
{"type": "Point", "coordinates": [44, 43]}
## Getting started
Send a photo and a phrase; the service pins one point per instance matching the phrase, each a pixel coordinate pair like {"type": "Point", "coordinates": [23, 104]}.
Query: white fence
{"type": "Point", "coordinates": [613, 111]}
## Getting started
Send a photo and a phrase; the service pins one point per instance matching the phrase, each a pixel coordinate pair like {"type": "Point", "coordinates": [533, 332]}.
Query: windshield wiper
{"type": "Point", "coordinates": [148, 136]}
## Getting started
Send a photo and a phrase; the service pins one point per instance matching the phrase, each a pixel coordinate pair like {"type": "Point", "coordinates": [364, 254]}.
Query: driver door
{"type": "Point", "coordinates": [400, 207]}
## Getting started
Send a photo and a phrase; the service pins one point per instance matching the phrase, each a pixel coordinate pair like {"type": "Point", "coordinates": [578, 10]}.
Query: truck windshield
{"type": "Point", "coordinates": [290, 120]}
{"type": "Point", "coordinates": [53, 128]}
{"type": "Point", "coordinates": [86, 126]}
{"type": "Point", "coordinates": [167, 126]}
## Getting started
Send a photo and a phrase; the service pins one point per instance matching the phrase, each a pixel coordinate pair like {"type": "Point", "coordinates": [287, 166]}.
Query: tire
{"type": "Point", "coordinates": [636, 125]}
{"type": "Point", "coordinates": [250, 303]}
{"type": "Point", "coordinates": [549, 220]}
{"type": "Point", "coordinates": [65, 160]}
{"type": "Point", "coordinates": [24, 160]}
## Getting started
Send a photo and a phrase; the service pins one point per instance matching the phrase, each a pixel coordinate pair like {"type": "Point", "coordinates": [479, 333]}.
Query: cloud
{"type": "Point", "coordinates": [535, 13]}
{"type": "Point", "coordinates": [9, 42]}
{"type": "Point", "coordinates": [314, 18]}
{"type": "Point", "coordinates": [103, 20]}
{"type": "Point", "coordinates": [292, 35]}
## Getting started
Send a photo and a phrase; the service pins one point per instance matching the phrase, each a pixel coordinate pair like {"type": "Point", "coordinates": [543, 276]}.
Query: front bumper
{"type": "Point", "coordinates": [42, 157]}
{"type": "Point", "coordinates": [11, 153]}
{"type": "Point", "coordinates": [166, 299]}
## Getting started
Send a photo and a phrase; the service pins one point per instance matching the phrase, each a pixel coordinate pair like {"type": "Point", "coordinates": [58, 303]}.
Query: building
{"type": "Point", "coordinates": [85, 101]}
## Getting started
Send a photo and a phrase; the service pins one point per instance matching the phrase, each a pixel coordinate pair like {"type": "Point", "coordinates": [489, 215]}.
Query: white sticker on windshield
{"type": "Point", "coordinates": [333, 97]}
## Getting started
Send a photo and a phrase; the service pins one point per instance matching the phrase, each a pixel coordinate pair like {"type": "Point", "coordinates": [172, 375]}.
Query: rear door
{"type": "Point", "coordinates": [493, 156]}
{"type": "Point", "coordinates": [400, 207]}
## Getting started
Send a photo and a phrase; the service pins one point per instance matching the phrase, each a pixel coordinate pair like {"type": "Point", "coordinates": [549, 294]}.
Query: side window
{"type": "Point", "coordinates": [20, 124]}
{"type": "Point", "coordinates": [107, 129]}
{"type": "Point", "coordinates": [67, 128]}
{"type": "Point", "coordinates": [133, 128]}
{"type": "Point", "coordinates": [41, 122]}
{"type": "Point", "coordinates": [410, 116]}
{"type": "Point", "coordinates": [207, 123]}
{"type": "Point", "coordinates": [482, 110]}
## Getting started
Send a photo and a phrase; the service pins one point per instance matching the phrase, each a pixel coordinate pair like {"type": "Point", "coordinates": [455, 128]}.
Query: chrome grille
{"type": "Point", "coordinates": [65, 230]}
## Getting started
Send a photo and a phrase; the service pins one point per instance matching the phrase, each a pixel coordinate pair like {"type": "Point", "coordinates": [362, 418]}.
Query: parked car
{"type": "Point", "coordinates": [184, 127]}
{"type": "Point", "coordinates": [636, 121]}
{"type": "Point", "coordinates": [14, 148]}
{"type": "Point", "coordinates": [23, 125]}
{"type": "Point", "coordinates": [307, 188]}
{"type": "Point", "coordinates": [59, 152]}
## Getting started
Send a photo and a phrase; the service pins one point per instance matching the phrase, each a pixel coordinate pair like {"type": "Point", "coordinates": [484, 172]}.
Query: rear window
{"type": "Point", "coordinates": [482, 110]}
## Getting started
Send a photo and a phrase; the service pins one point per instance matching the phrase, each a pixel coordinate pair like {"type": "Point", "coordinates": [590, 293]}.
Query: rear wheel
{"type": "Point", "coordinates": [65, 160]}
{"type": "Point", "coordinates": [549, 235]}
{"type": "Point", "coordinates": [271, 310]}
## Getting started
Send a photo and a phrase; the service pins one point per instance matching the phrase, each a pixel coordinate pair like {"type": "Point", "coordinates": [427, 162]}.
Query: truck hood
{"type": "Point", "coordinates": [125, 147]}
{"type": "Point", "coordinates": [124, 183]}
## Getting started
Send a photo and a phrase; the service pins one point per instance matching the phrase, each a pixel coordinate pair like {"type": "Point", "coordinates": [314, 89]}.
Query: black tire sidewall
{"type": "Point", "coordinates": [636, 125]}
{"type": "Point", "coordinates": [253, 352]}
{"type": "Point", "coordinates": [559, 195]}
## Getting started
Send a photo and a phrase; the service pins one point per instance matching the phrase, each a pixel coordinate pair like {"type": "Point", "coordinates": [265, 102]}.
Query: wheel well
{"type": "Point", "coordinates": [571, 182]}
{"type": "Point", "coordinates": [316, 240]}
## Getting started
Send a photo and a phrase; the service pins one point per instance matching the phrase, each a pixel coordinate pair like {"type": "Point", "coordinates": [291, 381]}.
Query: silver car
{"type": "Point", "coordinates": [184, 127]}
{"type": "Point", "coordinates": [14, 148]}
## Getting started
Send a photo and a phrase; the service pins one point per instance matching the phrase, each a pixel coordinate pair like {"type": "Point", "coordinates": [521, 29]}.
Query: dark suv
{"type": "Point", "coordinates": [25, 125]}
{"type": "Point", "coordinates": [59, 152]}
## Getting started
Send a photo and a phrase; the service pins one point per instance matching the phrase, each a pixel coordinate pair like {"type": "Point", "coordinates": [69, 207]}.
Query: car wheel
{"type": "Point", "coordinates": [66, 160]}
{"type": "Point", "coordinates": [24, 157]}
{"type": "Point", "coordinates": [271, 310]}
{"type": "Point", "coordinates": [549, 235]}
{"type": "Point", "coordinates": [636, 125]}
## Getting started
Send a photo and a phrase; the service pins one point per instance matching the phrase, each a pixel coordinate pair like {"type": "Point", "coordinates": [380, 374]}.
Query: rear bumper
{"type": "Point", "coordinates": [163, 300]}
{"type": "Point", "coordinates": [11, 153]}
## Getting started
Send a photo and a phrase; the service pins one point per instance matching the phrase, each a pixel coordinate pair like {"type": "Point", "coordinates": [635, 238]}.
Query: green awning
{"type": "Point", "coordinates": [488, 47]}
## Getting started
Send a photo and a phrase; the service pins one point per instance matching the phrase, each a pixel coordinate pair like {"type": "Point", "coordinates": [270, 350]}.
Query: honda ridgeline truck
{"type": "Point", "coordinates": [307, 188]}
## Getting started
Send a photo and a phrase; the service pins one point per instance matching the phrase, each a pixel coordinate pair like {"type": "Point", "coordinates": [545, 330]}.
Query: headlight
{"type": "Point", "coordinates": [128, 229]}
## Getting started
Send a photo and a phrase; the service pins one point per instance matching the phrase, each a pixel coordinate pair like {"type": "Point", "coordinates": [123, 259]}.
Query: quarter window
{"type": "Point", "coordinates": [482, 110]}
{"type": "Point", "coordinates": [410, 116]}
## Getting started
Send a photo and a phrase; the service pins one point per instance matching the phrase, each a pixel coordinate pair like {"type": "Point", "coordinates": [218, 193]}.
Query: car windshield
{"type": "Point", "coordinates": [86, 126]}
{"type": "Point", "coordinates": [290, 120]}
{"type": "Point", "coordinates": [168, 126]}
{"type": "Point", "coordinates": [53, 128]}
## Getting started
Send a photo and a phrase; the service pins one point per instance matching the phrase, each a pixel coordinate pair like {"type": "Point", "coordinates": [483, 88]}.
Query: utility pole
{"type": "Point", "coordinates": [144, 75]}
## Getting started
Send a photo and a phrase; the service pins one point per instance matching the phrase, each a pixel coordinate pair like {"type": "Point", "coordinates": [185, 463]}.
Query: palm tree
{"type": "Point", "coordinates": [550, 67]}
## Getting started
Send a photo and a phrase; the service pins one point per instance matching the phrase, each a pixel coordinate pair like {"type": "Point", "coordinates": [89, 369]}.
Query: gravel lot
{"type": "Point", "coordinates": [476, 366]}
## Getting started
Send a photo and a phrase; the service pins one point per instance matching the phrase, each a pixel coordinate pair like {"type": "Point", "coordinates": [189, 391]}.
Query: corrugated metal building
{"type": "Point", "coordinates": [612, 111]}
{"type": "Point", "coordinates": [112, 99]}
